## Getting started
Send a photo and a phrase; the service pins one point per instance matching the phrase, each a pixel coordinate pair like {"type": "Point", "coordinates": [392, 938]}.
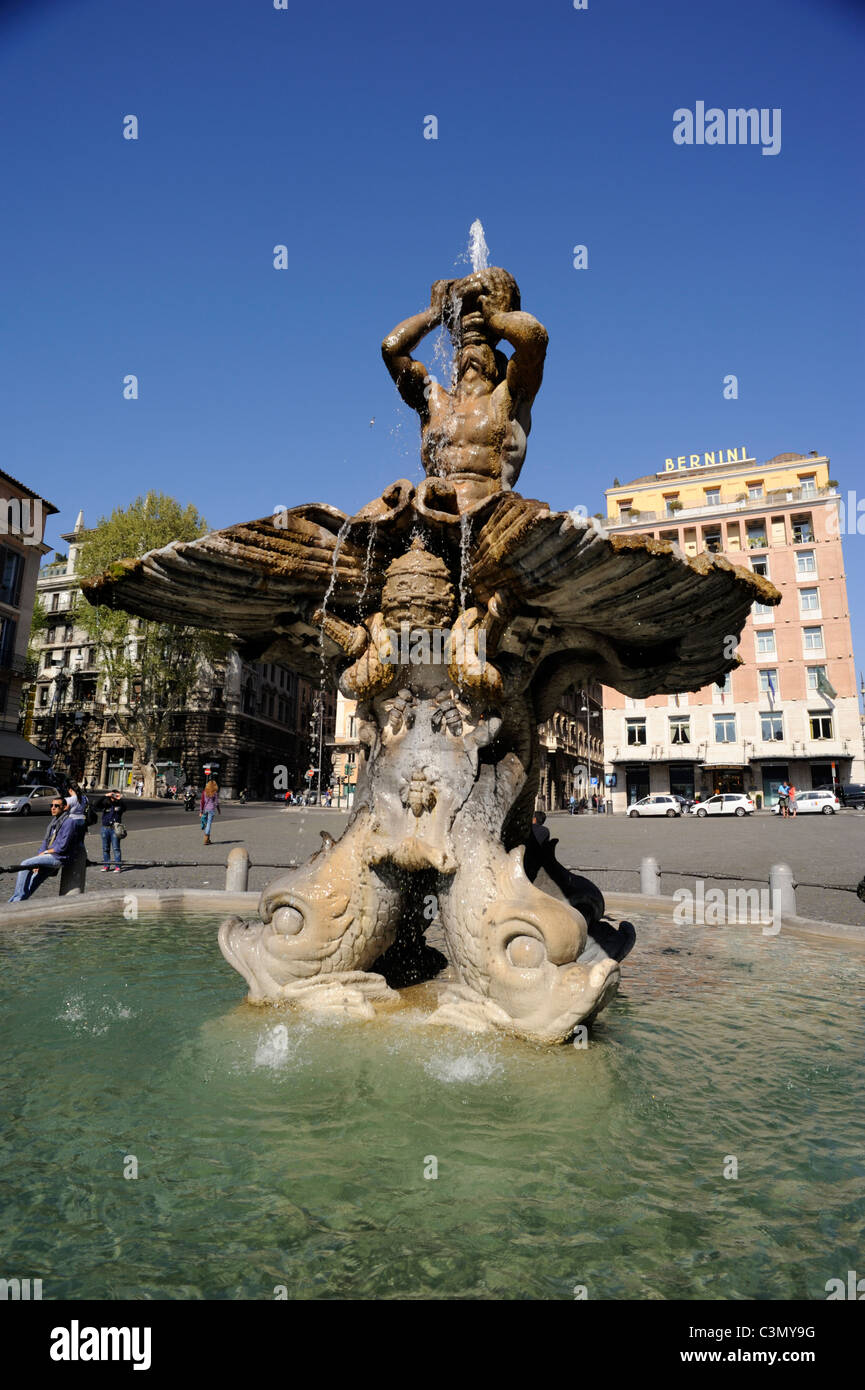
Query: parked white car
{"type": "Point", "coordinates": [656, 806]}
{"type": "Point", "coordinates": [811, 803]}
{"type": "Point", "coordinates": [725, 804]}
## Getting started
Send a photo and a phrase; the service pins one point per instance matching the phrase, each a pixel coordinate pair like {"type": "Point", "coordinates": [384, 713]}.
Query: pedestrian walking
{"type": "Point", "coordinates": [65, 833]}
{"type": "Point", "coordinates": [209, 808]}
{"type": "Point", "coordinates": [112, 807]}
{"type": "Point", "coordinates": [572, 804]}
{"type": "Point", "coordinates": [595, 803]}
{"type": "Point", "coordinates": [791, 801]}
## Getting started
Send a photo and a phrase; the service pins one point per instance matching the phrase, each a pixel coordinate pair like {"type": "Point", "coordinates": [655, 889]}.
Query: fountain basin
{"type": "Point", "coordinates": [280, 1151]}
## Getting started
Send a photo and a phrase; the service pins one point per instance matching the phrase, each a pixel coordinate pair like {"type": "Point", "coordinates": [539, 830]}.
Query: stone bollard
{"type": "Point", "coordinates": [237, 870]}
{"type": "Point", "coordinates": [73, 875]}
{"type": "Point", "coordinates": [650, 877]}
{"type": "Point", "coordinates": [783, 890]}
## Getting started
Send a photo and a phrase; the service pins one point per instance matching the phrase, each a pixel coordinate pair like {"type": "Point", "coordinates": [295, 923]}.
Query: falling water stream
{"type": "Point", "coordinates": [367, 563]}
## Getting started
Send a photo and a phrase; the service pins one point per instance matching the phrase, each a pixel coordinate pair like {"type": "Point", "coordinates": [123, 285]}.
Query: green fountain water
{"type": "Point", "coordinates": [277, 1152]}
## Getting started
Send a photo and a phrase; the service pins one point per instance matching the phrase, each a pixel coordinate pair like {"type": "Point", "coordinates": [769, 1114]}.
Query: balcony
{"type": "Point", "coordinates": [784, 497]}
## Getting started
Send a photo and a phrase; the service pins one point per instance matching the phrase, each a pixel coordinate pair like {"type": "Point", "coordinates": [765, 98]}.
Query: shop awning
{"type": "Point", "coordinates": [14, 746]}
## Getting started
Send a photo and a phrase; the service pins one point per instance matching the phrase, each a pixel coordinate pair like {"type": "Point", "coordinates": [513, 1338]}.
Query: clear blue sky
{"type": "Point", "coordinates": [305, 127]}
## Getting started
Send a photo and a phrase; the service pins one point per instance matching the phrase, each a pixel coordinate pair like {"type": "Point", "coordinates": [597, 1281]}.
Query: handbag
{"type": "Point", "coordinates": [120, 830]}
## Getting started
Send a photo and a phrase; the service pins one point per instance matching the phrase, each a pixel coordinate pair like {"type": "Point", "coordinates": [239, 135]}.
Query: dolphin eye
{"type": "Point", "coordinates": [288, 921]}
{"type": "Point", "coordinates": [526, 952]}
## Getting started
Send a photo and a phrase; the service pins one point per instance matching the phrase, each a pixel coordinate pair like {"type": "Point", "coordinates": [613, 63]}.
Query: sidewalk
{"type": "Point", "coordinates": [274, 837]}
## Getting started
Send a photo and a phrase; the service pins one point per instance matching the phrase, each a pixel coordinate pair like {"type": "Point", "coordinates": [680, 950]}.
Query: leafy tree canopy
{"type": "Point", "coordinates": [146, 524]}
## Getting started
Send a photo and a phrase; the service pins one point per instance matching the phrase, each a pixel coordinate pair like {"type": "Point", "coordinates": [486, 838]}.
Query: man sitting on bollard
{"type": "Point", "coordinates": [65, 833]}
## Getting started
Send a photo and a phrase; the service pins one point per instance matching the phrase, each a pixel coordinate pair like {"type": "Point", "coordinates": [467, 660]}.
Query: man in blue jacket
{"type": "Point", "coordinates": [65, 833]}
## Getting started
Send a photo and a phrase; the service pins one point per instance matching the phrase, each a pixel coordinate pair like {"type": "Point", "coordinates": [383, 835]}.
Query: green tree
{"type": "Point", "coordinates": [149, 669]}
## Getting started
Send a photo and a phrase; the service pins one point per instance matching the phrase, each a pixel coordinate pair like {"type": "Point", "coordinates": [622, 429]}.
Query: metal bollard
{"type": "Point", "coordinates": [237, 870]}
{"type": "Point", "coordinates": [650, 877]}
{"type": "Point", "coordinates": [73, 875]}
{"type": "Point", "coordinates": [783, 890]}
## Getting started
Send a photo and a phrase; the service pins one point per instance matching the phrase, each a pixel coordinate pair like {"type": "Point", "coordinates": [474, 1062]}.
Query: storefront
{"type": "Point", "coordinates": [682, 780]}
{"type": "Point", "coordinates": [636, 781]}
{"type": "Point", "coordinates": [773, 775]}
{"type": "Point", "coordinates": [724, 779]}
{"type": "Point", "coordinates": [118, 768]}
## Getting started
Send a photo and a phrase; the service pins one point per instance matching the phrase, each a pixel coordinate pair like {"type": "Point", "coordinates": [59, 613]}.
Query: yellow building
{"type": "Point", "coordinates": [789, 712]}
{"type": "Point", "coordinates": [688, 489]}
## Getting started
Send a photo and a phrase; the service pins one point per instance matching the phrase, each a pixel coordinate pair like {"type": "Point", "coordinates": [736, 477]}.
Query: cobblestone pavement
{"type": "Point", "coordinates": [821, 850]}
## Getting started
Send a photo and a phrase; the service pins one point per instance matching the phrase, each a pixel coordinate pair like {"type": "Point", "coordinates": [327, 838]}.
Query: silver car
{"type": "Point", "coordinates": [27, 801]}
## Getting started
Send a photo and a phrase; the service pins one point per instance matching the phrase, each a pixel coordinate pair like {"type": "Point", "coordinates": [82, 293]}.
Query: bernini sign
{"type": "Point", "coordinates": [705, 460]}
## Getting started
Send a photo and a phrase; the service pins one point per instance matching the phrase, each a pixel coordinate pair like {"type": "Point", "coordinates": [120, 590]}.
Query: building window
{"type": "Point", "coordinates": [8, 629]}
{"type": "Point", "coordinates": [672, 505]}
{"type": "Point", "coordinates": [821, 725]}
{"type": "Point", "coordinates": [55, 602]}
{"type": "Point", "coordinates": [11, 573]}
{"type": "Point", "coordinates": [725, 687]}
{"type": "Point", "coordinates": [761, 566]}
{"type": "Point", "coordinates": [806, 562]}
{"type": "Point", "coordinates": [43, 696]}
{"type": "Point", "coordinates": [756, 535]}
{"type": "Point", "coordinates": [713, 496]}
{"type": "Point", "coordinates": [813, 639]}
{"type": "Point", "coordinates": [809, 600]}
{"type": "Point", "coordinates": [762, 610]}
{"type": "Point", "coordinates": [725, 728]}
{"type": "Point", "coordinates": [712, 541]}
{"type": "Point", "coordinates": [765, 643]}
{"type": "Point", "coordinates": [768, 681]}
{"type": "Point", "coordinates": [809, 485]}
{"type": "Point", "coordinates": [755, 492]}
{"type": "Point", "coordinates": [771, 727]}
{"type": "Point", "coordinates": [636, 731]}
{"type": "Point", "coordinates": [680, 729]}
{"type": "Point", "coordinates": [815, 675]}
{"type": "Point", "coordinates": [803, 531]}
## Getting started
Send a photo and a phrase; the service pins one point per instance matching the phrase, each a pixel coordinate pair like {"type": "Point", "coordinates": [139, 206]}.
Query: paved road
{"type": "Point", "coordinates": [821, 850]}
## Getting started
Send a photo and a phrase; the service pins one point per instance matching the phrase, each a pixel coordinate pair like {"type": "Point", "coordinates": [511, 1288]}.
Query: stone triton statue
{"type": "Point", "coordinates": [475, 434]}
{"type": "Point", "coordinates": [530, 602]}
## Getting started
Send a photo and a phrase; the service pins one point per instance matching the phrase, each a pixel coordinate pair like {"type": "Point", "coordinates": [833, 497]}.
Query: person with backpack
{"type": "Point", "coordinates": [64, 834]}
{"type": "Point", "coordinates": [112, 807]}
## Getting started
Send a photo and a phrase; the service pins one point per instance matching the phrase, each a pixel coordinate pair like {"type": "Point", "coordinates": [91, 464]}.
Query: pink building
{"type": "Point", "coordinates": [790, 711]}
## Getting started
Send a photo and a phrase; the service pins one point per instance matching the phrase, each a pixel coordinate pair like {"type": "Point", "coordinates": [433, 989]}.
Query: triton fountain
{"type": "Point", "coordinates": [456, 613]}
